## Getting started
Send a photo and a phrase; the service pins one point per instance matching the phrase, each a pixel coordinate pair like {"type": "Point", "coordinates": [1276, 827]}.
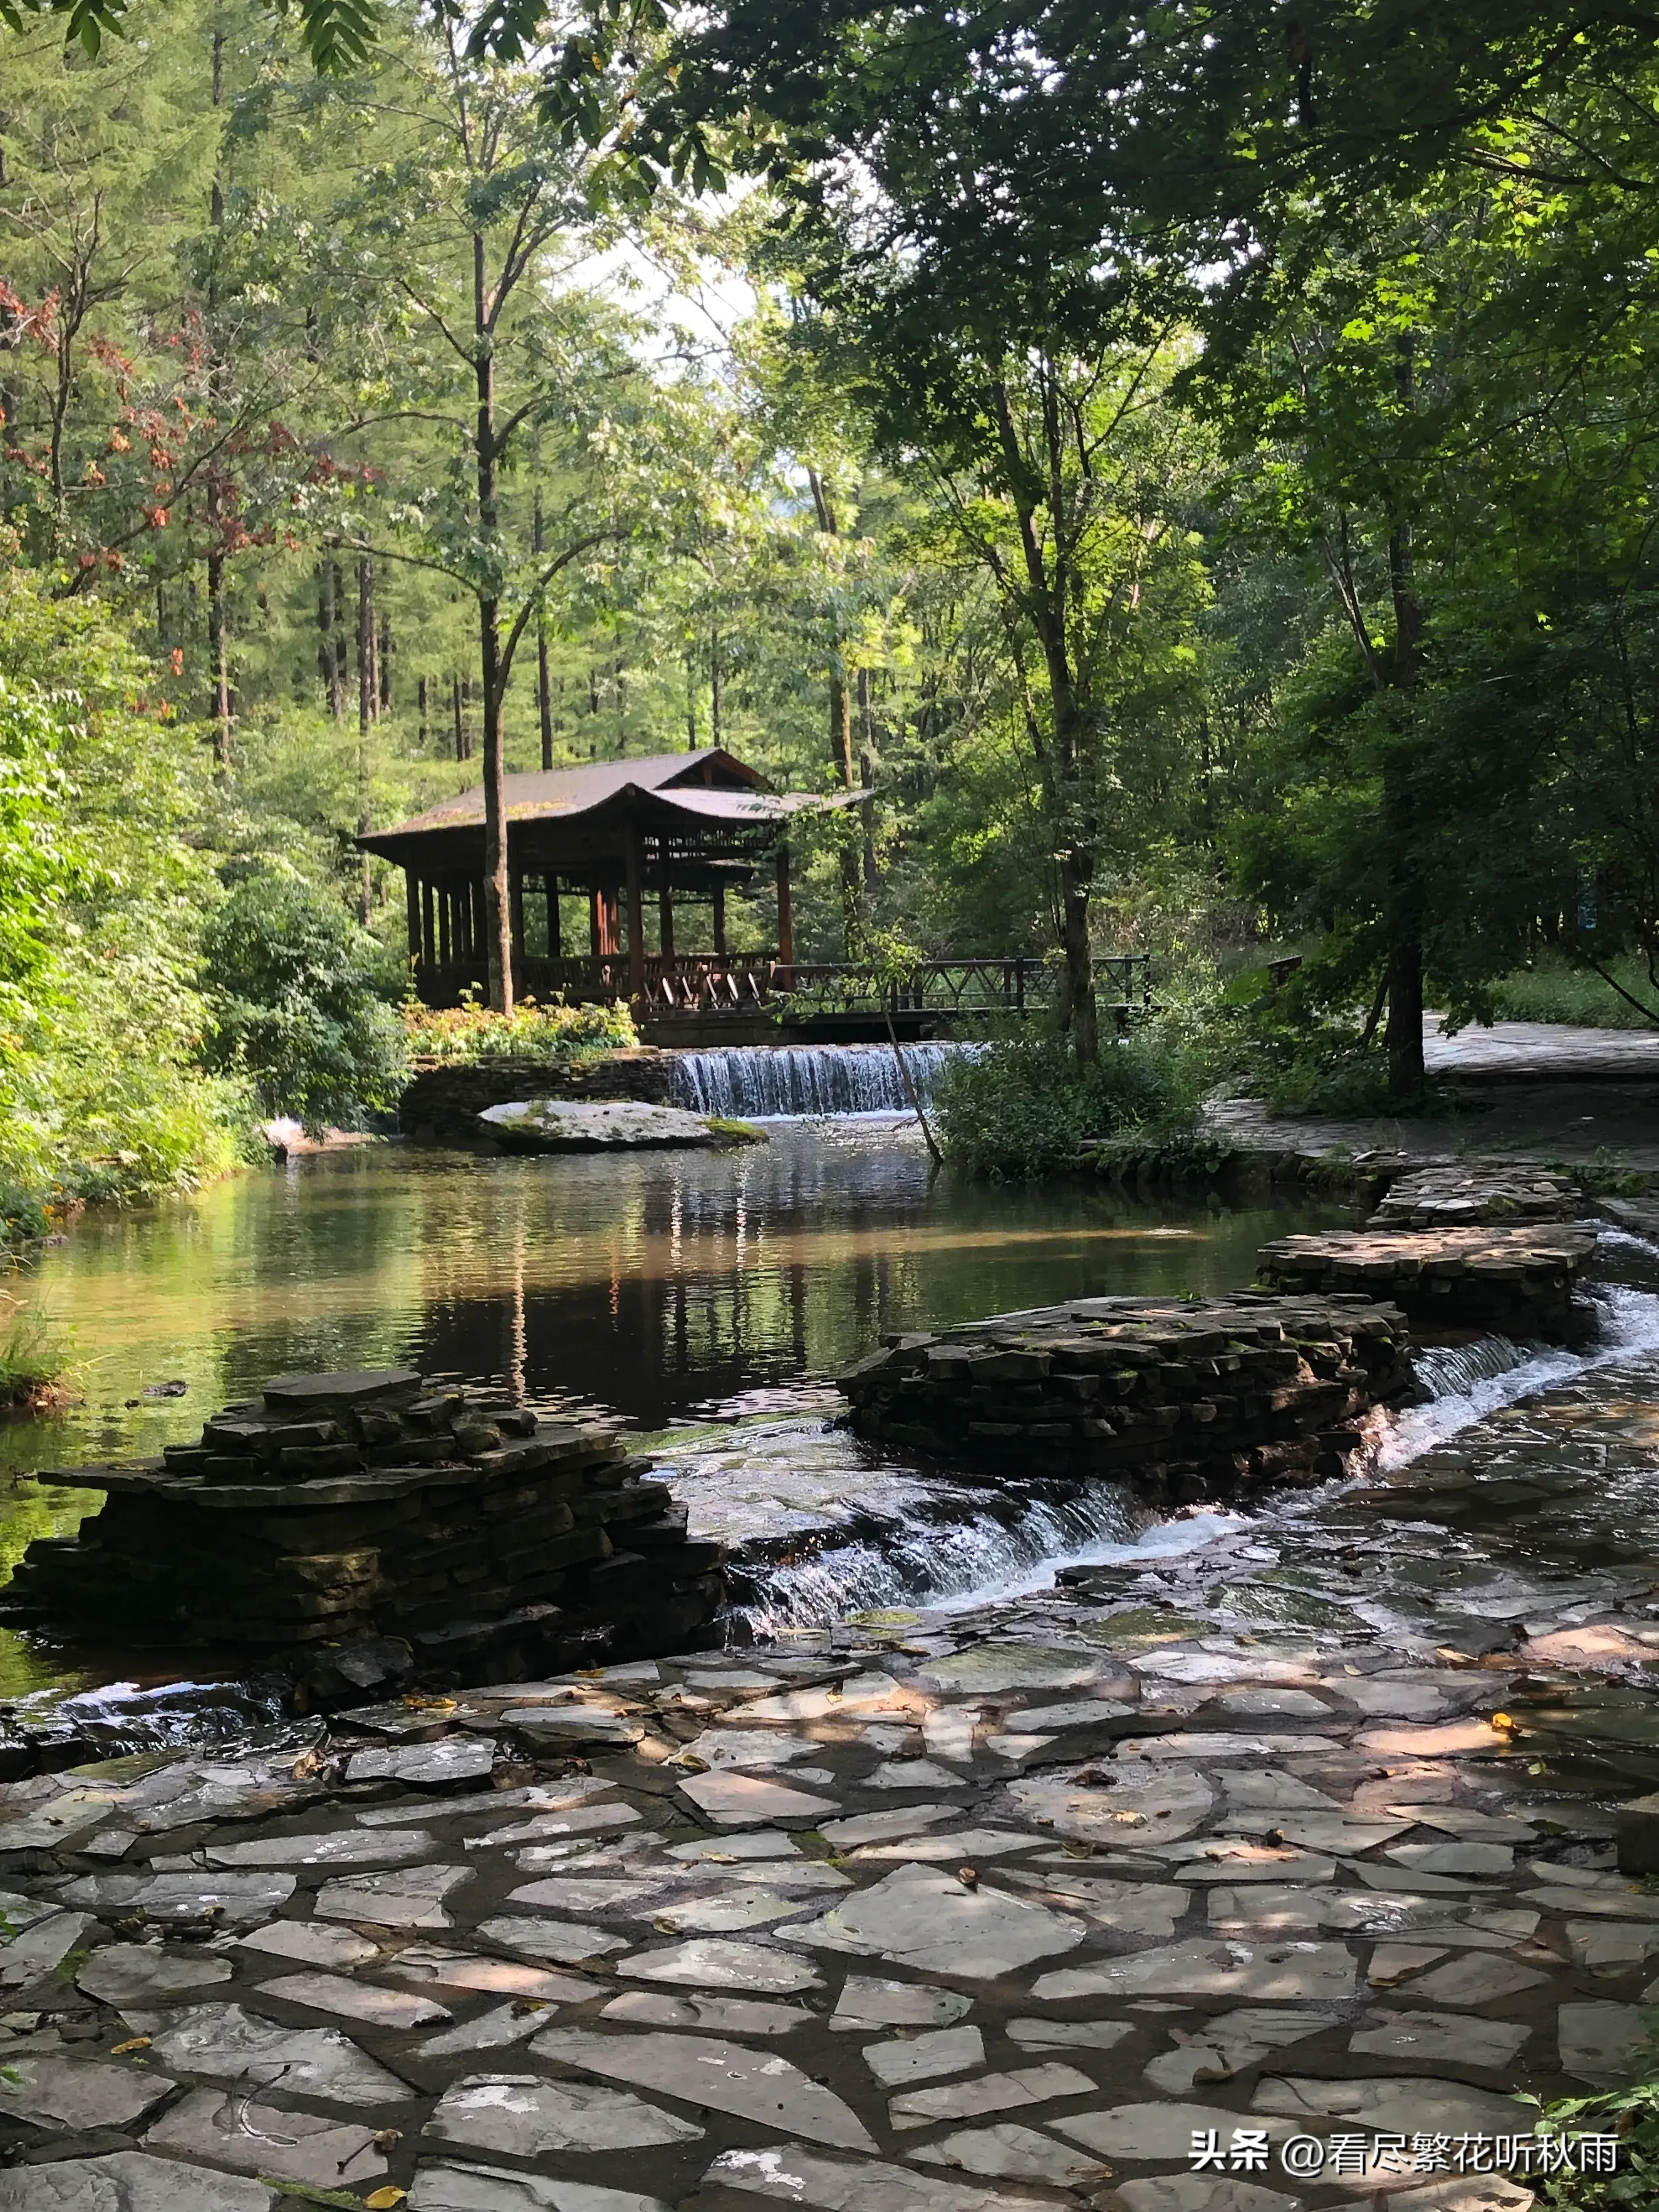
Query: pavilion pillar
{"type": "Point", "coordinates": [635, 916]}
{"type": "Point", "coordinates": [786, 912]}
{"type": "Point", "coordinates": [515, 914]}
{"type": "Point", "coordinates": [666, 922]}
{"type": "Point", "coordinates": [555, 944]}
{"type": "Point", "coordinates": [610, 921]}
{"type": "Point", "coordinates": [595, 925]}
{"type": "Point", "coordinates": [429, 924]}
{"type": "Point", "coordinates": [412, 897]}
{"type": "Point", "coordinates": [719, 921]}
{"type": "Point", "coordinates": [445, 936]}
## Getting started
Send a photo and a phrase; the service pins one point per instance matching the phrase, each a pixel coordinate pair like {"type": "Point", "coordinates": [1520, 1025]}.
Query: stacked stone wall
{"type": "Point", "coordinates": [1184, 1399]}
{"type": "Point", "coordinates": [337, 1508]}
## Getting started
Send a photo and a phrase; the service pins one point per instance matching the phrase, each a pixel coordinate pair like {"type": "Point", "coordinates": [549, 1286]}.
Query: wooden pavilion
{"type": "Point", "coordinates": [672, 830]}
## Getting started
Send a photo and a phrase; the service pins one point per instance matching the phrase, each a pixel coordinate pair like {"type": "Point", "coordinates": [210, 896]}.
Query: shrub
{"type": "Point", "coordinates": [103, 882]}
{"type": "Point", "coordinates": [1024, 1107]}
{"type": "Point", "coordinates": [301, 1002]}
{"type": "Point", "coordinates": [556, 1035]}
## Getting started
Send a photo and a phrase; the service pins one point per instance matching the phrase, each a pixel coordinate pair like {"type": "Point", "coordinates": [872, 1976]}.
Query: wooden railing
{"type": "Point", "coordinates": [696, 985]}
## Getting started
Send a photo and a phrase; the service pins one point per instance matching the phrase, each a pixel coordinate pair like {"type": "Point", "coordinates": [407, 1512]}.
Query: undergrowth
{"type": "Point", "coordinates": [34, 1360]}
{"type": "Point", "coordinates": [553, 1034]}
{"type": "Point", "coordinates": [1549, 990]}
{"type": "Point", "coordinates": [1026, 1107]}
{"type": "Point", "coordinates": [1632, 2115]}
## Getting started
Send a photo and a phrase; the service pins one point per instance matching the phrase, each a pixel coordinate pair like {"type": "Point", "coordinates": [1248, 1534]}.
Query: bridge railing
{"type": "Point", "coordinates": [696, 985]}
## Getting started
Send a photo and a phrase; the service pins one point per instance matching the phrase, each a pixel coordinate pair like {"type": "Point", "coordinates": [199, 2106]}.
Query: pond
{"type": "Point", "coordinates": [672, 1288]}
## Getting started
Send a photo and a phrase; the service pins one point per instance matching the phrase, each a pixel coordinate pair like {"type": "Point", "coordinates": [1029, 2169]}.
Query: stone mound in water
{"type": "Point", "coordinates": [1517, 1281]}
{"type": "Point", "coordinates": [1467, 1193]}
{"type": "Point", "coordinates": [1184, 1398]}
{"type": "Point", "coordinates": [564, 1125]}
{"type": "Point", "coordinates": [344, 1509]}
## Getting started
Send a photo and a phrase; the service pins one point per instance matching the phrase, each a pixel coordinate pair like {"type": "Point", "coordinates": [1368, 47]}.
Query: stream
{"type": "Point", "coordinates": [708, 1299]}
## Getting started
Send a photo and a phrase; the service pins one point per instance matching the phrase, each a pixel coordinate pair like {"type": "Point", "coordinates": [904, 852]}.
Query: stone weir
{"type": "Point", "coordinates": [1185, 1399]}
{"type": "Point", "coordinates": [375, 1527]}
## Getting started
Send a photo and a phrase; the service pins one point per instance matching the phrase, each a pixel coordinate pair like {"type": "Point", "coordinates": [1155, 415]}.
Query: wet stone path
{"type": "Point", "coordinates": [1276, 1873]}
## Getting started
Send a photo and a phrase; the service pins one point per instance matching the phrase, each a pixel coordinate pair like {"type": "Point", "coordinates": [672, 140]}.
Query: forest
{"type": "Point", "coordinates": [1192, 465]}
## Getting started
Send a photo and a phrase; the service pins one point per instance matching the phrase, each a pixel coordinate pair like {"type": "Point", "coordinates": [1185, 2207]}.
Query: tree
{"type": "Point", "coordinates": [460, 227]}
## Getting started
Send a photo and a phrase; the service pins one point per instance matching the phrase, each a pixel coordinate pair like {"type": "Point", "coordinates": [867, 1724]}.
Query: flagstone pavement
{"type": "Point", "coordinates": [1215, 1886]}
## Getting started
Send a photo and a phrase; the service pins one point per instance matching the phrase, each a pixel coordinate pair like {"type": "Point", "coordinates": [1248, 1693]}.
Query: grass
{"type": "Point", "coordinates": [33, 1363]}
{"type": "Point", "coordinates": [1549, 990]}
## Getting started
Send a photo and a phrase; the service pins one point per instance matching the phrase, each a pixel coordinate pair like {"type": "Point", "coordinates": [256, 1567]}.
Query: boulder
{"type": "Point", "coordinates": [566, 1125]}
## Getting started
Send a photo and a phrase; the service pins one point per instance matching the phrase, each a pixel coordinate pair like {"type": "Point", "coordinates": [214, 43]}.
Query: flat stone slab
{"type": "Point", "coordinates": [455, 2186]}
{"type": "Point", "coordinates": [936, 1924]}
{"type": "Point", "coordinates": [924, 2058]}
{"type": "Point", "coordinates": [425, 1765]}
{"type": "Point", "coordinates": [251, 2138]}
{"type": "Point", "coordinates": [564, 1942]}
{"type": "Point", "coordinates": [748, 1801]}
{"type": "Point", "coordinates": [1386, 2105]}
{"type": "Point", "coordinates": [1442, 2040]}
{"type": "Point", "coordinates": [986, 1668]}
{"type": "Point", "coordinates": [1009, 2152]}
{"type": "Point", "coordinates": [792, 2174]}
{"type": "Point", "coordinates": [231, 1899]}
{"type": "Point", "coordinates": [1170, 1801]}
{"type": "Point", "coordinates": [77, 2094]}
{"type": "Point", "coordinates": [713, 1962]}
{"type": "Point", "coordinates": [429, 1965]}
{"type": "Point", "coordinates": [866, 2004]}
{"type": "Point", "coordinates": [365, 1847]}
{"type": "Point", "coordinates": [227, 2044]}
{"type": "Point", "coordinates": [310, 1943]}
{"type": "Point", "coordinates": [336, 1993]}
{"type": "Point", "coordinates": [1599, 2042]}
{"type": "Point", "coordinates": [129, 2181]}
{"type": "Point", "coordinates": [122, 1974]}
{"type": "Point", "coordinates": [987, 2092]}
{"type": "Point", "coordinates": [564, 1125]}
{"type": "Point", "coordinates": [727, 2076]}
{"type": "Point", "coordinates": [526, 2116]}
{"type": "Point", "coordinates": [707, 2015]}
{"type": "Point", "coordinates": [413, 1897]}
{"type": "Point", "coordinates": [1264, 1973]}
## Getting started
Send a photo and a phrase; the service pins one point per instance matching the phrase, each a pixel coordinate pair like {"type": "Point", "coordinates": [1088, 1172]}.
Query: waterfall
{"type": "Point", "coordinates": [753, 1082]}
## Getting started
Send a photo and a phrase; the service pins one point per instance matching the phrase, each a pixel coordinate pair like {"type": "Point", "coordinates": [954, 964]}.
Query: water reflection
{"type": "Point", "coordinates": [654, 1283]}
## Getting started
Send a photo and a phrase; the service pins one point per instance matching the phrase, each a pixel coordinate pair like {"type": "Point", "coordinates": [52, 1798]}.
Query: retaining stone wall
{"type": "Point", "coordinates": [445, 1099]}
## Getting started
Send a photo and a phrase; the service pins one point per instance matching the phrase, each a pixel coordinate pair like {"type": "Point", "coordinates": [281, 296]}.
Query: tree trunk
{"type": "Point", "coordinates": [1070, 813]}
{"type": "Point", "coordinates": [543, 680]}
{"type": "Point", "coordinates": [498, 938]}
{"type": "Point", "coordinates": [367, 708]}
{"type": "Point", "coordinates": [1402, 918]}
{"type": "Point", "coordinates": [218, 650]}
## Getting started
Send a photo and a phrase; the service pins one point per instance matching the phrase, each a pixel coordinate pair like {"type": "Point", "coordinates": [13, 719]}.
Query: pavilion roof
{"type": "Point", "coordinates": [710, 788]}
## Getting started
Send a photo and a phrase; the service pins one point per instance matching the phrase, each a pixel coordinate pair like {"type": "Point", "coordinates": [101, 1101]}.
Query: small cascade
{"type": "Point", "coordinates": [753, 1083]}
{"type": "Point", "coordinates": [1467, 1382]}
{"type": "Point", "coordinates": [1452, 1370]}
{"type": "Point", "coordinates": [948, 1556]}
